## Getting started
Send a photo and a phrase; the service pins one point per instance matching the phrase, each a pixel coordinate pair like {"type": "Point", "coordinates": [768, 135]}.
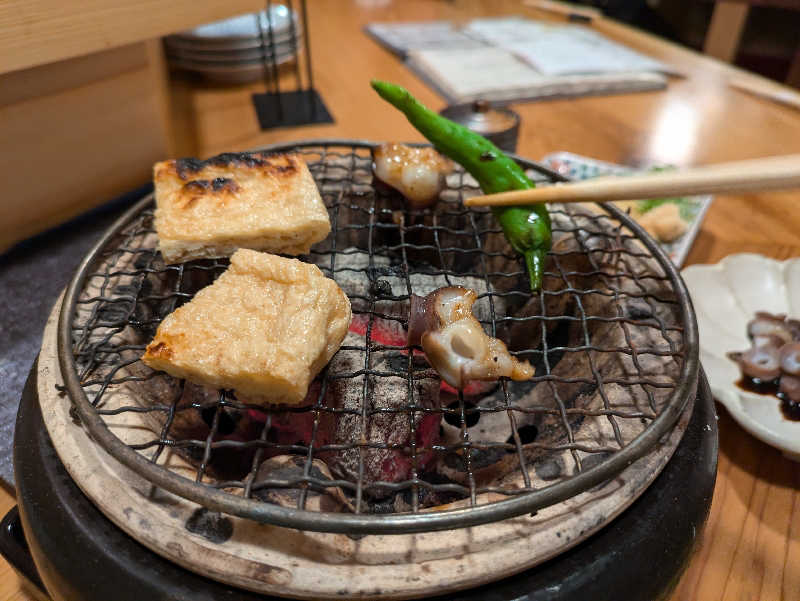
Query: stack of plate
{"type": "Point", "coordinates": [239, 49]}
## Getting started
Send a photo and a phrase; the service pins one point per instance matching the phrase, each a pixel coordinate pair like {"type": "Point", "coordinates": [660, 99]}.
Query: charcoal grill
{"type": "Point", "coordinates": [630, 405]}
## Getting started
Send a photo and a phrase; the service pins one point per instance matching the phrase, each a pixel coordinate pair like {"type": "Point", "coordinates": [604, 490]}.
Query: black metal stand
{"type": "Point", "coordinates": [288, 109]}
{"type": "Point", "coordinates": [301, 106]}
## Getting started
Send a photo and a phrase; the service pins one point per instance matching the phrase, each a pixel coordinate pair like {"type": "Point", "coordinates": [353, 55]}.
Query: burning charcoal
{"type": "Point", "coordinates": [292, 428]}
{"type": "Point", "coordinates": [291, 468]}
{"type": "Point", "coordinates": [506, 266]}
{"type": "Point", "coordinates": [358, 280]}
{"type": "Point", "coordinates": [381, 428]}
{"type": "Point", "coordinates": [144, 260]}
{"type": "Point", "coordinates": [567, 263]}
{"type": "Point", "coordinates": [201, 273]}
{"type": "Point", "coordinates": [355, 274]}
{"type": "Point", "coordinates": [193, 415]}
{"type": "Point", "coordinates": [500, 465]}
{"type": "Point", "coordinates": [492, 462]}
{"type": "Point", "coordinates": [296, 426]}
{"type": "Point", "coordinates": [354, 210]}
{"type": "Point", "coordinates": [381, 288]}
{"type": "Point", "coordinates": [487, 465]}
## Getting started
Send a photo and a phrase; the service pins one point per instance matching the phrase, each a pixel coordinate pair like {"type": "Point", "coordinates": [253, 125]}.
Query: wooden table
{"type": "Point", "coordinates": [750, 548]}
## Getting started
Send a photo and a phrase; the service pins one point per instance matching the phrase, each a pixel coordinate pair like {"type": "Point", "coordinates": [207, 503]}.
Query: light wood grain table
{"type": "Point", "coordinates": [750, 549]}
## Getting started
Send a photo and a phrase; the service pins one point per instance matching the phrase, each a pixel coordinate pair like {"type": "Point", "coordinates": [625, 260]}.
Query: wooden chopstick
{"type": "Point", "coordinates": [739, 176]}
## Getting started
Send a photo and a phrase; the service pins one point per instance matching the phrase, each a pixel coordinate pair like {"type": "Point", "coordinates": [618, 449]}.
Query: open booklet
{"type": "Point", "coordinates": [513, 58]}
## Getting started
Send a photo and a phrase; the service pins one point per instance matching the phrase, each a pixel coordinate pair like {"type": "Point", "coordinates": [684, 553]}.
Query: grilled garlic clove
{"type": "Point", "coordinates": [417, 173]}
{"type": "Point", "coordinates": [454, 341]}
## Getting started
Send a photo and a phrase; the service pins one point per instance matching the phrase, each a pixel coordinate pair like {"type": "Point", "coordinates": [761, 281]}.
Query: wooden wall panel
{"type": "Point", "coordinates": [76, 133]}
{"type": "Point", "coordinates": [35, 32]}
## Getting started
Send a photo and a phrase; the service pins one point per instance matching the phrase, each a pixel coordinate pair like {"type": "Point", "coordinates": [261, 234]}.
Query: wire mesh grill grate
{"type": "Point", "coordinates": [611, 336]}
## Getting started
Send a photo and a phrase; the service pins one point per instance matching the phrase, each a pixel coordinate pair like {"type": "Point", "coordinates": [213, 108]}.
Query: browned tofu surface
{"type": "Point", "coordinates": [259, 201]}
{"type": "Point", "coordinates": [264, 328]}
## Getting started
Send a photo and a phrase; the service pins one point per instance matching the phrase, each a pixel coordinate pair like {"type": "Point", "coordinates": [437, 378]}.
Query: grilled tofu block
{"type": "Point", "coordinates": [264, 328]}
{"type": "Point", "coordinates": [211, 208]}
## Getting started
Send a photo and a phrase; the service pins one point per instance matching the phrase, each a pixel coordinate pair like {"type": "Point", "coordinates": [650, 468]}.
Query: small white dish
{"type": "Point", "coordinates": [725, 297]}
{"type": "Point", "coordinates": [245, 26]}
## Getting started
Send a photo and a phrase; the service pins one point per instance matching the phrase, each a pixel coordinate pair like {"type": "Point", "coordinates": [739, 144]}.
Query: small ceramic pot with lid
{"type": "Point", "coordinates": [500, 125]}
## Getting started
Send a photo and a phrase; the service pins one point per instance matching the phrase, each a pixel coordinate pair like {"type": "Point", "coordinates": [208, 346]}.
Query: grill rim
{"type": "Point", "coordinates": [402, 523]}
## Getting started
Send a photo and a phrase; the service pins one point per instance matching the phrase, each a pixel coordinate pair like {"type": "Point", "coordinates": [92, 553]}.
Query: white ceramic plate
{"type": "Point", "coordinates": [245, 26]}
{"type": "Point", "coordinates": [725, 298]}
{"type": "Point", "coordinates": [231, 58]}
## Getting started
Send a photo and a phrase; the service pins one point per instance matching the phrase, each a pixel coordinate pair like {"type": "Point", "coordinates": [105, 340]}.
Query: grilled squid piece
{"type": "Point", "coordinates": [775, 354]}
{"type": "Point", "coordinates": [417, 173]}
{"type": "Point", "coordinates": [766, 326]}
{"type": "Point", "coordinates": [790, 388]}
{"type": "Point", "coordinates": [790, 359]}
{"type": "Point", "coordinates": [454, 341]}
{"type": "Point", "coordinates": [762, 362]}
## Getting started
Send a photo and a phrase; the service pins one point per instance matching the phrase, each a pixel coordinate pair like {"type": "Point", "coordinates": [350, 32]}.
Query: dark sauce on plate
{"type": "Point", "coordinates": [759, 386]}
{"type": "Point", "coordinates": [789, 408]}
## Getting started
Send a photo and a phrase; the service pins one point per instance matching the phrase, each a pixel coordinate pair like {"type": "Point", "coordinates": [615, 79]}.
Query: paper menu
{"type": "Point", "coordinates": [561, 49]}
{"type": "Point", "coordinates": [478, 71]}
{"type": "Point", "coordinates": [403, 37]}
{"type": "Point", "coordinates": [512, 58]}
{"type": "Point", "coordinates": [494, 74]}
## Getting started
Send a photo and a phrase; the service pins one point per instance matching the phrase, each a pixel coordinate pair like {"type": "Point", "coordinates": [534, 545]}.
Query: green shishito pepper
{"type": "Point", "coordinates": [527, 227]}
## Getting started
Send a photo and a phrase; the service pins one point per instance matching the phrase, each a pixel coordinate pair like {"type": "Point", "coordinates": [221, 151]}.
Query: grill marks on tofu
{"type": "Point", "coordinates": [210, 208]}
{"type": "Point", "coordinates": [189, 167]}
{"type": "Point", "coordinates": [220, 189]}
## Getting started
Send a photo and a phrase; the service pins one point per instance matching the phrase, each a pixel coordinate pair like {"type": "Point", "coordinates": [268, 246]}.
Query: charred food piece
{"type": "Point", "coordinates": [264, 328]}
{"type": "Point", "coordinates": [454, 341]}
{"type": "Point", "coordinates": [322, 496]}
{"type": "Point", "coordinates": [417, 173]}
{"type": "Point", "coordinates": [210, 208]}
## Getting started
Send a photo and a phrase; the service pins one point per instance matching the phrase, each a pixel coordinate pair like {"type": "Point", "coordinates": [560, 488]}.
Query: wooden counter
{"type": "Point", "coordinates": [750, 548]}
